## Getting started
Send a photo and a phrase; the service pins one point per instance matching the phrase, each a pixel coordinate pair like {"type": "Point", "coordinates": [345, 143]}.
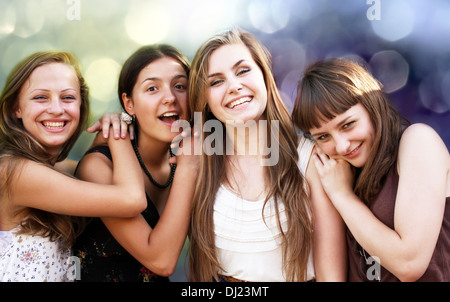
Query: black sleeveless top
{"type": "Point", "coordinates": [102, 258]}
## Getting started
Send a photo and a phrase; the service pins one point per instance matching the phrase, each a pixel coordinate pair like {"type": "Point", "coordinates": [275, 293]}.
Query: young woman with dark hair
{"type": "Point", "coordinates": [389, 180]}
{"type": "Point", "coordinates": [153, 91]}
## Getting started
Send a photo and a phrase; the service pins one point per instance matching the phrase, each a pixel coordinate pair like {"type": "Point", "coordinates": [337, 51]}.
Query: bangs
{"type": "Point", "coordinates": [320, 100]}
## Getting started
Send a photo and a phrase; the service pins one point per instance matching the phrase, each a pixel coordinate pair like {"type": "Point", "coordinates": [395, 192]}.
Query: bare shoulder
{"type": "Point", "coordinates": [421, 136]}
{"type": "Point", "coordinates": [421, 143]}
{"type": "Point", "coordinates": [94, 166]}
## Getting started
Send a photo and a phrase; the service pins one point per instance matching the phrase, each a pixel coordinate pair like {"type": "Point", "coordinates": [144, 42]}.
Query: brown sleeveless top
{"type": "Point", "coordinates": [362, 267]}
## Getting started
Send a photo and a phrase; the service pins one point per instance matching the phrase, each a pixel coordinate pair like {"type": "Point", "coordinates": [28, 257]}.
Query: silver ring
{"type": "Point", "coordinates": [125, 117]}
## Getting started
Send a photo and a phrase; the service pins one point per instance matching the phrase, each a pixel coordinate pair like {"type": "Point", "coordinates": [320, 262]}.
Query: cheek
{"type": "Point", "coordinates": [182, 100]}
{"type": "Point", "coordinates": [214, 101]}
{"type": "Point", "coordinates": [328, 148]}
{"type": "Point", "coordinates": [74, 110]}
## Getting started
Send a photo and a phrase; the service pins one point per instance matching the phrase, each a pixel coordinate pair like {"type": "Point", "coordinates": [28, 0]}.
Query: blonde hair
{"type": "Point", "coordinates": [17, 145]}
{"type": "Point", "coordinates": [284, 180]}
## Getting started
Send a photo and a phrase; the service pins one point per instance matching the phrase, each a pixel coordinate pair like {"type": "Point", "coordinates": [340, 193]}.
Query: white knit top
{"type": "Point", "coordinates": [249, 247]}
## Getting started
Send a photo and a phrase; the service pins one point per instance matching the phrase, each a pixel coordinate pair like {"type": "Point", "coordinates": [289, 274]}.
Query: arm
{"type": "Point", "coordinates": [157, 249]}
{"type": "Point", "coordinates": [41, 187]}
{"type": "Point", "coordinates": [101, 126]}
{"type": "Point", "coordinates": [330, 252]}
{"type": "Point", "coordinates": [66, 166]}
{"type": "Point", "coordinates": [423, 163]}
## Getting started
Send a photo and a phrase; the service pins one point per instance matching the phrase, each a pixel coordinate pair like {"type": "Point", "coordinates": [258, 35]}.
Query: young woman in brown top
{"type": "Point", "coordinates": [389, 180]}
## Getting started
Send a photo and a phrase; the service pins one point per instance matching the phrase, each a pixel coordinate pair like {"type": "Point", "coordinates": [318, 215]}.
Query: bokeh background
{"type": "Point", "coordinates": [405, 42]}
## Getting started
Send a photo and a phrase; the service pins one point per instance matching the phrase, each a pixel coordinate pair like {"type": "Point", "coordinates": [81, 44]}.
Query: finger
{"type": "Point", "coordinates": [323, 157]}
{"type": "Point", "coordinates": [176, 141]}
{"type": "Point", "coordinates": [319, 150]}
{"type": "Point", "coordinates": [116, 124]}
{"type": "Point", "coordinates": [94, 128]}
{"type": "Point", "coordinates": [106, 122]}
{"type": "Point", "coordinates": [173, 160]}
{"type": "Point", "coordinates": [123, 129]}
{"type": "Point", "coordinates": [131, 130]}
{"type": "Point", "coordinates": [186, 133]}
{"type": "Point", "coordinates": [318, 164]}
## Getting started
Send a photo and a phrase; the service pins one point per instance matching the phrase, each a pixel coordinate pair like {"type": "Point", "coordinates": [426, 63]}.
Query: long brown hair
{"type": "Point", "coordinates": [17, 145]}
{"type": "Point", "coordinates": [284, 180]}
{"type": "Point", "coordinates": [330, 87]}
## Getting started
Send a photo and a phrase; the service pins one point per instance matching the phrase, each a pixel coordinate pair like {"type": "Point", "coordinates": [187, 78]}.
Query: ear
{"type": "Point", "coordinates": [128, 104]}
{"type": "Point", "coordinates": [18, 113]}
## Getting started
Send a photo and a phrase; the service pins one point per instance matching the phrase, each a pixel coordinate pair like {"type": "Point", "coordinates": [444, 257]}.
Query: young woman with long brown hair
{"type": "Point", "coordinates": [388, 179]}
{"type": "Point", "coordinates": [44, 106]}
{"type": "Point", "coordinates": [255, 218]}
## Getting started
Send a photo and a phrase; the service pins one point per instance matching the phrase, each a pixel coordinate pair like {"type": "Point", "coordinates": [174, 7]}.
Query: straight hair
{"type": "Point", "coordinates": [330, 87]}
{"type": "Point", "coordinates": [284, 180]}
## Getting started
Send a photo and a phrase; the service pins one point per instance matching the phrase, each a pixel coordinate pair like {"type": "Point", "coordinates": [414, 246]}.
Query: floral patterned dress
{"type": "Point", "coordinates": [32, 258]}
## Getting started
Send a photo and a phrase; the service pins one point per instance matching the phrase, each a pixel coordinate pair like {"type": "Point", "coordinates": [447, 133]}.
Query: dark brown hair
{"type": "Point", "coordinates": [330, 87]}
{"type": "Point", "coordinates": [138, 61]}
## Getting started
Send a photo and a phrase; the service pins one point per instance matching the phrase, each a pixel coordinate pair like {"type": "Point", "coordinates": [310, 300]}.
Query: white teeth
{"type": "Point", "coordinates": [241, 101]}
{"type": "Point", "coordinates": [53, 125]}
{"type": "Point", "coordinates": [169, 114]}
{"type": "Point", "coordinates": [354, 150]}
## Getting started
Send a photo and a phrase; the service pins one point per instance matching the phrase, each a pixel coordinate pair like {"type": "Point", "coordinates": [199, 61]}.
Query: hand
{"type": "Point", "coordinates": [337, 175]}
{"type": "Point", "coordinates": [187, 146]}
{"type": "Point", "coordinates": [120, 128]}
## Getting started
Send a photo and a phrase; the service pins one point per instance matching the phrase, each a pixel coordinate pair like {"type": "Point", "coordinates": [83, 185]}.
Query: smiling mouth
{"type": "Point", "coordinates": [54, 125]}
{"type": "Point", "coordinates": [240, 102]}
{"type": "Point", "coordinates": [169, 117]}
{"type": "Point", "coordinates": [353, 152]}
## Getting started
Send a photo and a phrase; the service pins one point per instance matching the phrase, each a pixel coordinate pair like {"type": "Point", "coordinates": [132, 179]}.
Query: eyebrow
{"type": "Point", "coordinates": [46, 90]}
{"type": "Point", "coordinates": [234, 66]}
{"type": "Point", "coordinates": [179, 76]}
{"type": "Point", "coordinates": [344, 121]}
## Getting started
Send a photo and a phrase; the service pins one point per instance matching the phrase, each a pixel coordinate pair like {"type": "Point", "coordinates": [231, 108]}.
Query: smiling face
{"type": "Point", "coordinates": [348, 136]}
{"type": "Point", "coordinates": [236, 88]}
{"type": "Point", "coordinates": [49, 105]}
{"type": "Point", "coordinates": [159, 98]}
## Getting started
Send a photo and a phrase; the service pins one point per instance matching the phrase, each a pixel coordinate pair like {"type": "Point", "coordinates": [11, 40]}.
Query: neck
{"type": "Point", "coordinates": [245, 139]}
{"type": "Point", "coordinates": [153, 152]}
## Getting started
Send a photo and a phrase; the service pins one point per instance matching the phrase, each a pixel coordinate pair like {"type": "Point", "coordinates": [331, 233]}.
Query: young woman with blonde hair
{"type": "Point", "coordinates": [255, 219]}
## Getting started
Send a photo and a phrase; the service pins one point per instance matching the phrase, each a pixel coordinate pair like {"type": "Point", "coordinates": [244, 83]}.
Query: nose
{"type": "Point", "coordinates": [169, 96]}
{"type": "Point", "coordinates": [342, 145]}
{"type": "Point", "coordinates": [55, 106]}
{"type": "Point", "coordinates": [234, 85]}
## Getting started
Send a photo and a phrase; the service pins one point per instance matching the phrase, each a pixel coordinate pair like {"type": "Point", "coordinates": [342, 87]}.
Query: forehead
{"type": "Point", "coordinates": [227, 55]}
{"type": "Point", "coordinates": [53, 70]}
{"type": "Point", "coordinates": [52, 74]}
{"type": "Point", "coordinates": [355, 111]}
{"type": "Point", "coordinates": [162, 67]}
